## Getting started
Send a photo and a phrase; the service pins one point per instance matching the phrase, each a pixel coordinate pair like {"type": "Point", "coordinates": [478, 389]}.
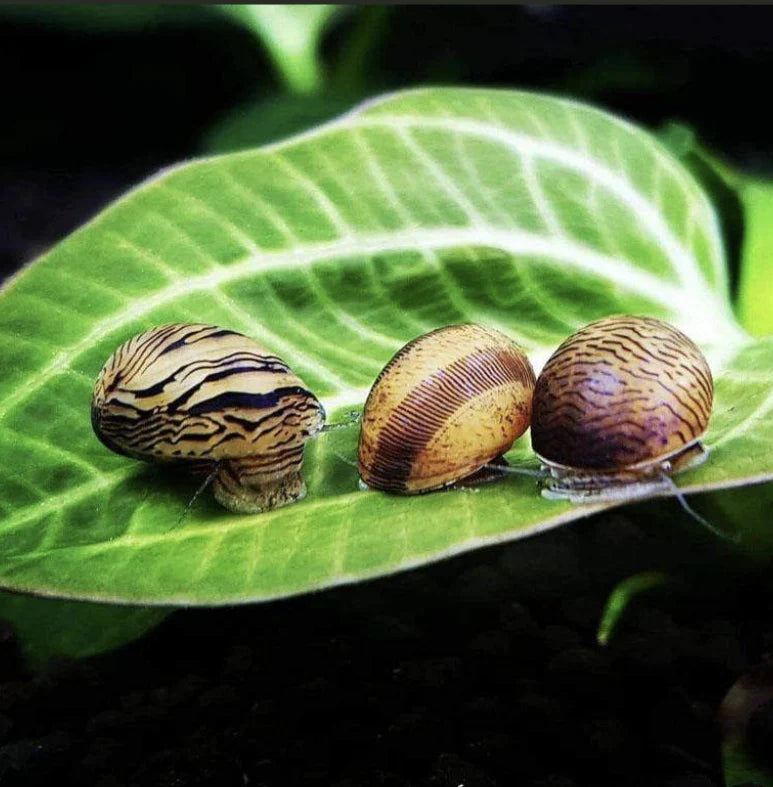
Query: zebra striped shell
{"type": "Point", "coordinates": [446, 404]}
{"type": "Point", "coordinates": [621, 393]}
{"type": "Point", "coordinates": [198, 393]}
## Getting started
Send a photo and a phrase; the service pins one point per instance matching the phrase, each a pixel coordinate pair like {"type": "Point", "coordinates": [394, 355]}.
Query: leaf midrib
{"type": "Point", "coordinates": [584, 258]}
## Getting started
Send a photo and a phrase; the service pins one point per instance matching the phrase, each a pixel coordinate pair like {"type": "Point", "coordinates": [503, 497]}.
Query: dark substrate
{"type": "Point", "coordinates": [481, 670]}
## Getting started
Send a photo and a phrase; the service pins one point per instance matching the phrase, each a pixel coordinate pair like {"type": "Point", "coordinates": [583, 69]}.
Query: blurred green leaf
{"type": "Point", "coordinates": [621, 597]}
{"type": "Point", "coordinates": [716, 180]}
{"type": "Point", "coordinates": [265, 120]}
{"type": "Point", "coordinates": [755, 295]}
{"type": "Point", "coordinates": [626, 71]}
{"type": "Point", "coordinates": [741, 770]}
{"type": "Point", "coordinates": [678, 138]}
{"type": "Point", "coordinates": [47, 627]}
{"type": "Point", "coordinates": [746, 205]}
{"type": "Point", "coordinates": [291, 35]}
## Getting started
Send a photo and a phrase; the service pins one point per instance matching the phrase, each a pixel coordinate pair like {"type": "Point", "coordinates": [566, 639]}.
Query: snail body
{"type": "Point", "coordinates": [448, 403]}
{"type": "Point", "coordinates": [211, 398]}
{"type": "Point", "coordinates": [620, 406]}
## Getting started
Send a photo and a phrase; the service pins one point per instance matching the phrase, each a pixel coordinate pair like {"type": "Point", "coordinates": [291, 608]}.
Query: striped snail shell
{"type": "Point", "coordinates": [207, 396]}
{"type": "Point", "coordinates": [447, 403]}
{"type": "Point", "coordinates": [621, 403]}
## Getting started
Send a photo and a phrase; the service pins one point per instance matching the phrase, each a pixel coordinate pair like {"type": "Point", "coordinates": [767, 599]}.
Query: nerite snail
{"type": "Point", "coordinates": [199, 394]}
{"type": "Point", "coordinates": [447, 404]}
{"type": "Point", "coordinates": [620, 406]}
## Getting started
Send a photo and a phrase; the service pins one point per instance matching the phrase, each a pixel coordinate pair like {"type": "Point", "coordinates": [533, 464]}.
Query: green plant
{"type": "Point", "coordinates": [523, 212]}
{"type": "Point", "coordinates": [291, 35]}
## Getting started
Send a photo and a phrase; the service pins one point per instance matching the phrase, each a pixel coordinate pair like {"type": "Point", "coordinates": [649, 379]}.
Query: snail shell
{"type": "Point", "coordinates": [201, 395]}
{"type": "Point", "coordinates": [446, 404]}
{"type": "Point", "coordinates": [621, 402]}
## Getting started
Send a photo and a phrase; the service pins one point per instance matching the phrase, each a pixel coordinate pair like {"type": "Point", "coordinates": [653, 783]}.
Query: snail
{"type": "Point", "coordinates": [448, 403]}
{"type": "Point", "coordinates": [619, 407]}
{"type": "Point", "coordinates": [209, 398]}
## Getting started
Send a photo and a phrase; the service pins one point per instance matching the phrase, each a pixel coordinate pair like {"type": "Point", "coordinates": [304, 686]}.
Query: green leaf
{"type": "Point", "coordinates": [529, 214]}
{"type": "Point", "coordinates": [755, 295]}
{"type": "Point", "coordinates": [291, 35]}
{"type": "Point", "coordinates": [621, 597]}
{"type": "Point", "coordinates": [47, 627]}
{"type": "Point", "coordinates": [746, 205]}
{"type": "Point", "coordinates": [263, 120]}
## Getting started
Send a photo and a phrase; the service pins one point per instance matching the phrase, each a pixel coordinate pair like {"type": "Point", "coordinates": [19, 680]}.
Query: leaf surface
{"type": "Point", "coordinates": [526, 213]}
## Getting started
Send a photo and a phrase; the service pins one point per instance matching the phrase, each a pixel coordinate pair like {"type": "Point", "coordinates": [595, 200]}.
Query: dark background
{"type": "Point", "coordinates": [482, 670]}
{"type": "Point", "coordinates": [88, 114]}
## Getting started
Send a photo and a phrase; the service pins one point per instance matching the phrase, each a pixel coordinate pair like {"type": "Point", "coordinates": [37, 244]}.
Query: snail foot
{"type": "Point", "coordinates": [242, 498]}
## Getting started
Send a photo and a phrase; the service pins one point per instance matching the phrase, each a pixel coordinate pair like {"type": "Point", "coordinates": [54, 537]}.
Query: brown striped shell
{"type": "Point", "coordinates": [446, 404]}
{"type": "Point", "coordinates": [201, 395]}
{"type": "Point", "coordinates": [622, 395]}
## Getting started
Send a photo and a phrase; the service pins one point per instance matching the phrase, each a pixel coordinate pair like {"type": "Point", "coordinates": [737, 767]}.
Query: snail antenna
{"type": "Point", "coordinates": [351, 418]}
{"type": "Point", "coordinates": [733, 538]}
{"type": "Point", "coordinates": [207, 481]}
{"type": "Point", "coordinates": [518, 470]}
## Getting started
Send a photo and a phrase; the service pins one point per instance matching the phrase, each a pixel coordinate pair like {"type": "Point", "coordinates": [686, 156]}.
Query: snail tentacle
{"type": "Point", "coordinates": [350, 419]}
{"type": "Point", "coordinates": [734, 538]}
{"type": "Point", "coordinates": [204, 484]}
{"type": "Point", "coordinates": [510, 470]}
